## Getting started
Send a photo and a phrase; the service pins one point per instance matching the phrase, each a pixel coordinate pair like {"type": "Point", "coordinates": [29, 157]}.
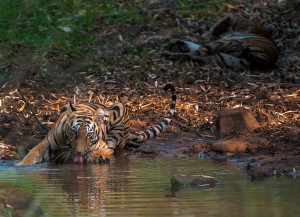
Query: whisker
{"type": "Point", "coordinates": [64, 147]}
{"type": "Point", "coordinates": [60, 154]}
{"type": "Point", "coordinates": [63, 156]}
{"type": "Point", "coordinates": [67, 157]}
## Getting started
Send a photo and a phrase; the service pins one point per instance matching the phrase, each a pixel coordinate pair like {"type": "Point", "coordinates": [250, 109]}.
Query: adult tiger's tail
{"type": "Point", "coordinates": [144, 135]}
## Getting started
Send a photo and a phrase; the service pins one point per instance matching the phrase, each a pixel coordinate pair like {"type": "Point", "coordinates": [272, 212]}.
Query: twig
{"type": "Point", "coordinates": [27, 103]}
{"type": "Point", "coordinates": [239, 77]}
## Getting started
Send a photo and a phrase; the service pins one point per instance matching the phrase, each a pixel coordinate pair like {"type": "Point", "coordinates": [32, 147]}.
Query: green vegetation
{"type": "Point", "coordinates": [39, 26]}
{"type": "Point", "coordinates": [54, 29]}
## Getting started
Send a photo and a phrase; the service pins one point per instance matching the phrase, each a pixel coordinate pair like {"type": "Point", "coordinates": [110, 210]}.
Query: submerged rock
{"type": "Point", "coordinates": [259, 172]}
{"type": "Point", "coordinates": [178, 181]}
{"type": "Point", "coordinates": [292, 172]}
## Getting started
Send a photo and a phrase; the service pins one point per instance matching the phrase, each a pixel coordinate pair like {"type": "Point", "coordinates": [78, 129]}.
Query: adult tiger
{"type": "Point", "coordinates": [246, 44]}
{"type": "Point", "coordinates": [91, 132]}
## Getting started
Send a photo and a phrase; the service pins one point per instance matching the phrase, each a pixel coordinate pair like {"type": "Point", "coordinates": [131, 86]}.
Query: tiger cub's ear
{"type": "Point", "coordinates": [69, 107]}
{"type": "Point", "coordinates": [102, 115]}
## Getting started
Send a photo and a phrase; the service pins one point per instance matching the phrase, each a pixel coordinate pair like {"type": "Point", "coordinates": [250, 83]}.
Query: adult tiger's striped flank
{"type": "Point", "coordinates": [89, 133]}
{"type": "Point", "coordinates": [245, 44]}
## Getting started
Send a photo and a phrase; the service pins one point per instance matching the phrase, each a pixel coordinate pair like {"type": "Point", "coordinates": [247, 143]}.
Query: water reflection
{"type": "Point", "coordinates": [131, 186]}
{"type": "Point", "coordinates": [92, 186]}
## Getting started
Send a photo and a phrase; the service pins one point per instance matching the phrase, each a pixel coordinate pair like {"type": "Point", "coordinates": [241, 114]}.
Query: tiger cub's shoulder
{"type": "Point", "coordinates": [235, 23]}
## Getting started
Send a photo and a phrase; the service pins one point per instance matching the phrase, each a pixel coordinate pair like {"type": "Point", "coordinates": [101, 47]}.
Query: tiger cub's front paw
{"type": "Point", "coordinates": [33, 157]}
{"type": "Point", "coordinates": [102, 154]}
{"type": "Point", "coordinates": [25, 162]}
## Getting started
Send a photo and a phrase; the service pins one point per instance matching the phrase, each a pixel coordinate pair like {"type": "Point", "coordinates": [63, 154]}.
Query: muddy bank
{"type": "Point", "coordinates": [261, 153]}
{"type": "Point", "coordinates": [241, 139]}
{"type": "Point", "coordinates": [261, 158]}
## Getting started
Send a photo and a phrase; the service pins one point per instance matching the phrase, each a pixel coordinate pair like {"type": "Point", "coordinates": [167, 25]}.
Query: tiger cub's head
{"type": "Point", "coordinates": [84, 131]}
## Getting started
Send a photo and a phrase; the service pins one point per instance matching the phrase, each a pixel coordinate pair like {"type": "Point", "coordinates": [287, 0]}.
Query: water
{"type": "Point", "coordinates": [132, 186]}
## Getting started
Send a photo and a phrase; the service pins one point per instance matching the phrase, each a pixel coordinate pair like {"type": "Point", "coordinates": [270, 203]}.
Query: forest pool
{"type": "Point", "coordinates": [133, 186]}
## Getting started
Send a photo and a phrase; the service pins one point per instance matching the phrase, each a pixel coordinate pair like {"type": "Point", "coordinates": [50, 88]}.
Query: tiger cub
{"type": "Point", "coordinates": [245, 44]}
{"type": "Point", "coordinates": [89, 133]}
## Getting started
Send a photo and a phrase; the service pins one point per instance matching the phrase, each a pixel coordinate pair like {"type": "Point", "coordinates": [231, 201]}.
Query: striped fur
{"type": "Point", "coordinates": [157, 129]}
{"type": "Point", "coordinates": [89, 133]}
{"type": "Point", "coordinates": [246, 44]}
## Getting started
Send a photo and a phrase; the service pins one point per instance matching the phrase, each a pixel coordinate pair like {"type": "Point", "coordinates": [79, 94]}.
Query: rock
{"type": "Point", "coordinates": [239, 145]}
{"type": "Point", "coordinates": [147, 149]}
{"type": "Point", "coordinates": [14, 203]}
{"type": "Point", "coordinates": [178, 181]}
{"type": "Point", "coordinates": [230, 145]}
{"type": "Point", "coordinates": [200, 147]}
{"type": "Point", "coordinates": [236, 120]}
{"type": "Point", "coordinates": [293, 172]}
{"type": "Point", "coordinates": [264, 118]}
{"type": "Point", "coordinates": [181, 155]}
{"type": "Point", "coordinates": [259, 172]}
{"type": "Point", "coordinates": [7, 152]}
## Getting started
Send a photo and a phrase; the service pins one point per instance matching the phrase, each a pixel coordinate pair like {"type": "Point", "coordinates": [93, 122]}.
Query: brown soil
{"type": "Point", "coordinates": [273, 97]}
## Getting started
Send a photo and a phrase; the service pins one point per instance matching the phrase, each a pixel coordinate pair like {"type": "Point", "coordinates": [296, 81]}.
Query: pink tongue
{"type": "Point", "coordinates": [78, 159]}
